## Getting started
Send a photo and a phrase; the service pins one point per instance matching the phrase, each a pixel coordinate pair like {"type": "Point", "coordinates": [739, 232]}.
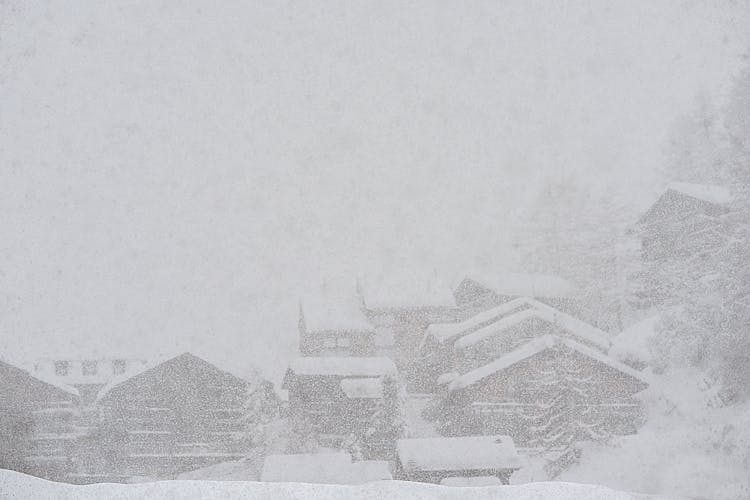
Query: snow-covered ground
{"type": "Point", "coordinates": [14, 485]}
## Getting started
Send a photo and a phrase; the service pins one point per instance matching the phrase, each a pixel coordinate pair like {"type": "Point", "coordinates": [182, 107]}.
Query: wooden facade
{"type": "Point", "coordinates": [550, 392]}
{"type": "Point", "coordinates": [36, 431]}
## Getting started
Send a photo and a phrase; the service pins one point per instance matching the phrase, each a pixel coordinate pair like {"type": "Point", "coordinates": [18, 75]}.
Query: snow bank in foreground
{"type": "Point", "coordinates": [14, 485]}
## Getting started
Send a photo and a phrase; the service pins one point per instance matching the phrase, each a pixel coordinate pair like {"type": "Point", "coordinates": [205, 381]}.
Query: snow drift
{"type": "Point", "coordinates": [20, 486]}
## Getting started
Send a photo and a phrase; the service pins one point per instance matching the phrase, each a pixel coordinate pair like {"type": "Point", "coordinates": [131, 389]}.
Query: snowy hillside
{"type": "Point", "coordinates": [19, 486]}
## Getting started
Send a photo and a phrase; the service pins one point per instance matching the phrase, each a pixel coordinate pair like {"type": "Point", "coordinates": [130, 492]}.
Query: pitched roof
{"type": "Point", "coordinates": [152, 367]}
{"type": "Point", "coordinates": [325, 468]}
{"type": "Point", "coordinates": [532, 348]}
{"type": "Point", "coordinates": [45, 381]}
{"type": "Point", "coordinates": [333, 308]}
{"type": "Point", "coordinates": [525, 284]}
{"type": "Point", "coordinates": [445, 331]}
{"type": "Point", "coordinates": [406, 289]}
{"type": "Point", "coordinates": [718, 195]}
{"type": "Point", "coordinates": [574, 326]}
{"type": "Point", "coordinates": [344, 366]}
{"type": "Point", "coordinates": [458, 453]}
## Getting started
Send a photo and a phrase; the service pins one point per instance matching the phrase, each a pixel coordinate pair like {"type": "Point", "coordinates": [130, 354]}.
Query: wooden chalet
{"type": "Point", "coordinates": [437, 459]}
{"type": "Point", "coordinates": [333, 397]}
{"type": "Point", "coordinates": [682, 220]}
{"type": "Point", "coordinates": [460, 347]}
{"type": "Point", "coordinates": [334, 326]}
{"type": "Point", "coordinates": [546, 392]}
{"type": "Point", "coordinates": [178, 415]}
{"type": "Point", "coordinates": [37, 435]}
{"type": "Point", "coordinates": [402, 306]}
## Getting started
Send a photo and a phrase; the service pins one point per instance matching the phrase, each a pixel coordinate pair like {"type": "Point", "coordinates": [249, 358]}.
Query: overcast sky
{"type": "Point", "coordinates": [171, 174]}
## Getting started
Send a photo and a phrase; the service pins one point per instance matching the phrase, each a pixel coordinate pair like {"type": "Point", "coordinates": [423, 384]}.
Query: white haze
{"type": "Point", "coordinates": [171, 175]}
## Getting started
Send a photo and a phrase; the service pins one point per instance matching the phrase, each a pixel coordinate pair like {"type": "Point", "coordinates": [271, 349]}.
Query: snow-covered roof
{"type": "Point", "coordinates": [323, 468]}
{"type": "Point", "coordinates": [406, 290]}
{"type": "Point", "coordinates": [718, 195]}
{"type": "Point", "coordinates": [46, 379]}
{"type": "Point", "coordinates": [362, 387]}
{"type": "Point", "coordinates": [446, 378]}
{"type": "Point", "coordinates": [471, 481]}
{"type": "Point", "coordinates": [344, 366]}
{"type": "Point", "coordinates": [334, 309]}
{"type": "Point", "coordinates": [542, 311]}
{"type": "Point", "coordinates": [532, 348]}
{"type": "Point", "coordinates": [445, 331]}
{"type": "Point", "coordinates": [634, 342]}
{"type": "Point", "coordinates": [525, 284]}
{"type": "Point", "coordinates": [121, 379]}
{"type": "Point", "coordinates": [458, 453]}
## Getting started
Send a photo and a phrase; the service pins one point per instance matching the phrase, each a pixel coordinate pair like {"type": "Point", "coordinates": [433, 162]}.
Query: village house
{"type": "Point", "coordinates": [323, 468]}
{"type": "Point", "coordinates": [334, 325]}
{"type": "Point", "coordinates": [438, 459]}
{"type": "Point", "coordinates": [331, 398]}
{"type": "Point", "coordinates": [180, 414]}
{"type": "Point", "coordinates": [460, 347]}
{"type": "Point", "coordinates": [36, 431]}
{"type": "Point", "coordinates": [547, 392]}
{"type": "Point", "coordinates": [683, 220]}
{"type": "Point", "coordinates": [401, 306]}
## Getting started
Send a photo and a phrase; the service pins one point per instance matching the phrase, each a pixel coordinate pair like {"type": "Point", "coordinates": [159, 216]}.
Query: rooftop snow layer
{"type": "Point", "coordinates": [329, 309]}
{"type": "Point", "coordinates": [572, 325]}
{"type": "Point", "coordinates": [346, 366]}
{"type": "Point", "coordinates": [445, 331]}
{"type": "Point", "coordinates": [718, 195]}
{"type": "Point", "coordinates": [406, 290]}
{"type": "Point", "coordinates": [458, 453]}
{"type": "Point", "coordinates": [532, 348]}
{"type": "Point", "coordinates": [362, 387]}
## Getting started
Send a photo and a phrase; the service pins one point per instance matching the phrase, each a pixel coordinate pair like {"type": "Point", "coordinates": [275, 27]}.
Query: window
{"type": "Point", "coordinates": [118, 366]}
{"type": "Point", "coordinates": [61, 368]}
{"type": "Point", "coordinates": [89, 367]}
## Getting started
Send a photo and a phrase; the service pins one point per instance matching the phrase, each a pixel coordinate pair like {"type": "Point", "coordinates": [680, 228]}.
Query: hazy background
{"type": "Point", "coordinates": [170, 175]}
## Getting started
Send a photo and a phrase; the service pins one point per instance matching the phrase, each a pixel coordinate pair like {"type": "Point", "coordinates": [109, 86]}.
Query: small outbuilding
{"type": "Point", "coordinates": [433, 460]}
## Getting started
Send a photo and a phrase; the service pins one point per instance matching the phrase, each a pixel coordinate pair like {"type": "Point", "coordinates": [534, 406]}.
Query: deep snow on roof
{"type": "Point", "coordinates": [406, 289]}
{"type": "Point", "coordinates": [445, 331]}
{"type": "Point", "coordinates": [458, 453]}
{"type": "Point", "coordinates": [532, 348]}
{"type": "Point", "coordinates": [718, 195]}
{"type": "Point", "coordinates": [542, 311]}
{"type": "Point", "coordinates": [525, 284]}
{"type": "Point", "coordinates": [345, 366]}
{"type": "Point", "coordinates": [371, 388]}
{"type": "Point", "coordinates": [323, 468]}
{"type": "Point", "coordinates": [334, 308]}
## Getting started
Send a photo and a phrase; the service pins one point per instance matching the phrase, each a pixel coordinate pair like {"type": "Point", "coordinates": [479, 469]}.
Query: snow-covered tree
{"type": "Point", "coordinates": [388, 421]}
